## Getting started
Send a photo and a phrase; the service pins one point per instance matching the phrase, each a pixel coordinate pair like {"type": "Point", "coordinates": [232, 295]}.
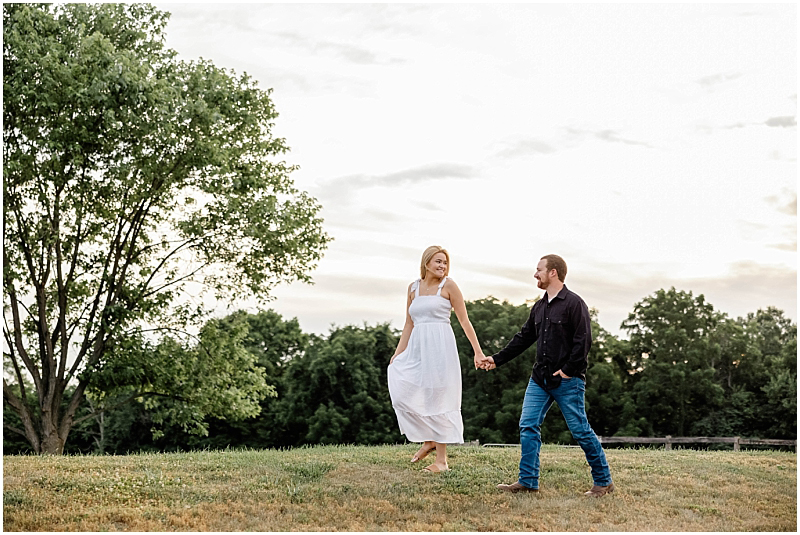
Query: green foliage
{"type": "Point", "coordinates": [758, 372]}
{"type": "Point", "coordinates": [129, 174]}
{"type": "Point", "coordinates": [274, 342]}
{"type": "Point", "coordinates": [771, 360]}
{"type": "Point", "coordinates": [337, 392]}
{"type": "Point", "coordinates": [332, 389]}
{"type": "Point", "coordinates": [491, 402]}
{"type": "Point", "coordinates": [183, 384]}
{"type": "Point", "coordinates": [729, 420]}
{"type": "Point", "coordinates": [608, 399]}
{"type": "Point", "coordinates": [271, 343]}
{"type": "Point", "coordinates": [670, 334]}
{"type": "Point", "coordinates": [781, 404]}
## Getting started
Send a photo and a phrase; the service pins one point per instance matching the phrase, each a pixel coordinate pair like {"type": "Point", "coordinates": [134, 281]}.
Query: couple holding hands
{"type": "Point", "coordinates": [425, 374]}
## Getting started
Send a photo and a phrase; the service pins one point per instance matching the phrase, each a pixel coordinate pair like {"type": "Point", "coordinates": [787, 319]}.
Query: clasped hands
{"type": "Point", "coordinates": [483, 362]}
{"type": "Point", "coordinates": [487, 363]}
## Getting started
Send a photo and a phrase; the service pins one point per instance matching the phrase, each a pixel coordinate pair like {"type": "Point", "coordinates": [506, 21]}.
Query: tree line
{"type": "Point", "coordinates": [685, 369]}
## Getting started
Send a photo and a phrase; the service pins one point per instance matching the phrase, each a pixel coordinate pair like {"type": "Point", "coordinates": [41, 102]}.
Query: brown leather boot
{"type": "Point", "coordinates": [598, 491]}
{"type": "Point", "coordinates": [516, 487]}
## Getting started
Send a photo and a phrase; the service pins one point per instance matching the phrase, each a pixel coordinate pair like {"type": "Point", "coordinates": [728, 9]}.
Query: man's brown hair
{"type": "Point", "coordinates": [553, 261]}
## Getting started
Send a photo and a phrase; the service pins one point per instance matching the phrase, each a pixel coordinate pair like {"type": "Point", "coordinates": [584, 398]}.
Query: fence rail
{"type": "Point", "coordinates": [668, 441]}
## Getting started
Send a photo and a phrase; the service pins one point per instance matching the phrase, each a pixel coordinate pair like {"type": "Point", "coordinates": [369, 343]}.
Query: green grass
{"type": "Point", "coordinates": [362, 488]}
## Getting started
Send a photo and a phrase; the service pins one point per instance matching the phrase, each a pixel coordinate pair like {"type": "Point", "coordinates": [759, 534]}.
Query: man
{"type": "Point", "coordinates": [560, 323]}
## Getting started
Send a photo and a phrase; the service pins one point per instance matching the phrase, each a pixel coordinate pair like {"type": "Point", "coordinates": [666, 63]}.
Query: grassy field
{"type": "Point", "coordinates": [360, 488]}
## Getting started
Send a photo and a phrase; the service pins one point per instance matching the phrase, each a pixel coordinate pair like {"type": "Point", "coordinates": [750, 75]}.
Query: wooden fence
{"type": "Point", "coordinates": [668, 441]}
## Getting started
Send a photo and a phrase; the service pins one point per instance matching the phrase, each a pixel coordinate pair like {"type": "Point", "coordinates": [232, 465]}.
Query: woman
{"type": "Point", "coordinates": [425, 373]}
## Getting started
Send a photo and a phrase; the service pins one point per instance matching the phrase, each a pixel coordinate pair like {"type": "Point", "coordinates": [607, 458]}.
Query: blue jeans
{"type": "Point", "coordinates": [569, 396]}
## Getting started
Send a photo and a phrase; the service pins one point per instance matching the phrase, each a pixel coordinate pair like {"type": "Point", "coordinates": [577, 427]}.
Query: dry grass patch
{"type": "Point", "coordinates": [361, 488]}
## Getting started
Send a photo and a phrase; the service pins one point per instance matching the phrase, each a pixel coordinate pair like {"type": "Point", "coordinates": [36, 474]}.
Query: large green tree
{"type": "Point", "coordinates": [270, 340]}
{"type": "Point", "coordinates": [337, 391]}
{"type": "Point", "coordinates": [672, 345]}
{"type": "Point", "coordinates": [609, 404]}
{"type": "Point", "coordinates": [274, 342]}
{"type": "Point", "coordinates": [768, 369]}
{"type": "Point", "coordinates": [131, 176]}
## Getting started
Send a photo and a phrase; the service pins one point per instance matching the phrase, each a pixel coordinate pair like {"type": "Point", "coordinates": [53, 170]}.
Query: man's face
{"type": "Point", "coordinates": [541, 275]}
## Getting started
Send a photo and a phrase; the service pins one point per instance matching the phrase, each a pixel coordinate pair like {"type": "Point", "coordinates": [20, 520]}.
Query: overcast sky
{"type": "Point", "coordinates": [649, 145]}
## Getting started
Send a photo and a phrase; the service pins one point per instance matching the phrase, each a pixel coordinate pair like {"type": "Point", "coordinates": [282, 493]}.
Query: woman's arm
{"type": "Point", "coordinates": [457, 300]}
{"type": "Point", "coordinates": [409, 325]}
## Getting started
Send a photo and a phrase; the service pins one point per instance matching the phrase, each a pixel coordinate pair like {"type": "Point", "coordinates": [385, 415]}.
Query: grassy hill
{"type": "Point", "coordinates": [362, 488]}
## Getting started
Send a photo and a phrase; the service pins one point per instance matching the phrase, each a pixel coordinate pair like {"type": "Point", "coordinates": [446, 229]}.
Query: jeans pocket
{"type": "Point", "coordinates": [580, 385]}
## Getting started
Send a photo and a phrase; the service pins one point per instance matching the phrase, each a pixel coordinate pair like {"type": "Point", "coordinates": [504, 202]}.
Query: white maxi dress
{"type": "Point", "coordinates": [425, 379]}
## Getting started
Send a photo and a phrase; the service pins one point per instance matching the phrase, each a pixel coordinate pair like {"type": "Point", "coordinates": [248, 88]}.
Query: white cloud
{"type": "Point", "coordinates": [342, 188]}
{"type": "Point", "coordinates": [605, 135]}
{"type": "Point", "coordinates": [526, 147]}
{"type": "Point", "coordinates": [716, 79]}
{"type": "Point", "coordinates": [784, 122]}
{"type": "Point", "coordinates": [785, 202]}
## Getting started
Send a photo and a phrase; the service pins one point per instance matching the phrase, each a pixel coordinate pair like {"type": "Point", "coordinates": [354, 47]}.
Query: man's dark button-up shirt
{"type": "Point", "coordinates": [563, 330]}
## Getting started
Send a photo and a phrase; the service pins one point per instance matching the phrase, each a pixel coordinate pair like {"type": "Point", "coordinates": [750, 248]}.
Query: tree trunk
{"type": "Point", "coordinates": [53, 444]}
{"type": "Point", "coordinates": [52, 440]}
{"type": "Point", "coordinates": [682, 410]}
{"type": "Point", "coordinates": [101, 443]}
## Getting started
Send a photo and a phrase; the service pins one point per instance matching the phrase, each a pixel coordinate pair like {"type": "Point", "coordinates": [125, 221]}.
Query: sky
{"type": "Point", "coordinates": [650, 146]}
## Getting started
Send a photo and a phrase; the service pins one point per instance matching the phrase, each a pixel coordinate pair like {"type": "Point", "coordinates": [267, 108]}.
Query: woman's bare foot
{"type": "Point", "coordinates": [423, 452]}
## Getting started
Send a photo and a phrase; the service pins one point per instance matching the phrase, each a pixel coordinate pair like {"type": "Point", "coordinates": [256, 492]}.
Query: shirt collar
{"type": "Point", "coordinates": [560, 295]}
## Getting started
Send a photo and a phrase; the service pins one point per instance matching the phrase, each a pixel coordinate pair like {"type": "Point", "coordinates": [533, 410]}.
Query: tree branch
{"type": "Point", "coordinates": [64, 285]}
{"type": "Point", "coordinates": [60, 329]}
{"type": "Point", "coordinates": [154, 329]}
{"type": "Point", "coordinates": [176, 281]}
{"type": "Point", "coordinates": [127, 400]}
{"type": "Point", "coordinates": [114, 289]}
{"type": "Point", "coordinates": [18, 342]}
{"type": "Point", "coordinates": [87, 339]}
{"type": "Point", "coordinates": [74, 326]}
{"type": "Point", "coordinates": [24, 415]}
{"type": "Point", "coordinates": [26, 250]}
{"type": "Point", "coordinates": [27, 311]}
{"type": "Point", "coordinates": [14, 429]}
{"type": "Point", "coordinates": [14, 362]}
{"type": "Point", "coordinates": [45, 348]}
{"type": "Point", "coordinates": [164, 261]}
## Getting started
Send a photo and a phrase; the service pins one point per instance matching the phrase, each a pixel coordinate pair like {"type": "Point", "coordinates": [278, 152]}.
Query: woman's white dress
{"type": "Point", "coordinates": [425, 379]}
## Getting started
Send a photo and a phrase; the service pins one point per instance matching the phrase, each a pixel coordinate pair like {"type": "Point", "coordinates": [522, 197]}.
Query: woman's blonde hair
{"type": "Point", "coordinates": [428, 254]}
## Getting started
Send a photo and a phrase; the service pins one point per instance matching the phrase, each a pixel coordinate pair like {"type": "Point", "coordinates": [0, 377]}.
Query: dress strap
{"type": "Point", "coordinates": [415, 287]}
{"type": "Point", "coordinates": [441, 285]}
